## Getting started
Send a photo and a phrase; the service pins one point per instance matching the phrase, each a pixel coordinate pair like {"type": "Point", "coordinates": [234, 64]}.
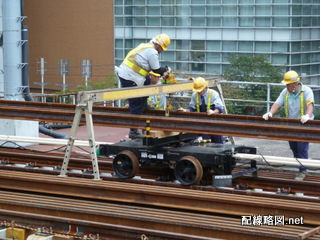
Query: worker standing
{"type": "Point", "coordinates": [298, 101]}
{"type": "Point", "coordinates": [206, 100]}
{"type": "Point", "coordinates": [135, 68]}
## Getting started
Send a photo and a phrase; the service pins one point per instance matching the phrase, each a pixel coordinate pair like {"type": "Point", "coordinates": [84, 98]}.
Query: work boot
{"type": "Point", "coordinates": [301, 175]}
{"type": "Point", "coordinates": [134, 133]}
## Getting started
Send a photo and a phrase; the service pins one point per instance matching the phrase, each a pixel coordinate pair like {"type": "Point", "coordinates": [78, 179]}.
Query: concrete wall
{"type": "Point", "coordinates": [73, 29]}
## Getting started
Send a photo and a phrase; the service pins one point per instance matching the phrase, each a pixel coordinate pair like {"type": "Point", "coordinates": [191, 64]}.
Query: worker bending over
{"type": "Point", "coordinates": [135, 68]}
{"type": "Point", "coordinates": [298, 101]}
{"type": "Point", "coordinates": [206, 100]}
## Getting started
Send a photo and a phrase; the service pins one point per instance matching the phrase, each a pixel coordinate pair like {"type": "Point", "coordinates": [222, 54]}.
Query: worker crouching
{"type": "Point", "coordinates": [206, 100]}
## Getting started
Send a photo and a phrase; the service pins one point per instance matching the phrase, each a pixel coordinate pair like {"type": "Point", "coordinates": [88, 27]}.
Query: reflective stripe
{"type": "Point", "coordinates": [135, 68]}
{"type": "Point", "coordinates": [209, 100]}
{"type": "Point", "coordinates": [131, 62]}
{"type": "Point", "coordinates": [158, 102]}
{"type": "Point", "coordinates": [301, 104]}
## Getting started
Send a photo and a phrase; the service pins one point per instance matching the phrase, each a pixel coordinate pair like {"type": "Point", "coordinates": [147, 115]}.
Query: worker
{"type": "Point", "coordinates": [206, 100]}
{"type": "Point", "coordinates": [135, 68]}
{"type": "Point", "coordinates": [156, 102]}
{"type": "Point", "coordinates": [298, 101]}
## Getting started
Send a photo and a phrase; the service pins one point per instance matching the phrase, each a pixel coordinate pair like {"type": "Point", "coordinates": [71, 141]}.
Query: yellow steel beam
{"type": "Point", "coordinates": [133, 92]}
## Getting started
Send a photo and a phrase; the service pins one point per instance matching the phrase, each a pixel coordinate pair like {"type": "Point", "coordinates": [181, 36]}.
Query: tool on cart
{"type": "Point", "coordinates": [169, 79]}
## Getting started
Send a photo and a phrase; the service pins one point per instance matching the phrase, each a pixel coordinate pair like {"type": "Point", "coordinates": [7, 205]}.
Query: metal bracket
{"type": "Point", "coordinates": [87, 110]}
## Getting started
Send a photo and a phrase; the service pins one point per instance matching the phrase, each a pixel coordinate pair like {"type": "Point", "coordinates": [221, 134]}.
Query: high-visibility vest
{"type": "Point", "coordinates": [150, 100]}
{"type": "Point", "coordinates": [301, 104]}
{"type": "Point", "coordinates": [131, 62]}
{"type": "Point", "coordinates": [209, 100]}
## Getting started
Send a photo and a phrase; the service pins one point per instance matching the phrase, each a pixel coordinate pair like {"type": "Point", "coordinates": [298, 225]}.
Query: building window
{"type": "Point", "coordinates": [182, 11]}
{"type": "Point", "coordinates": [198, 10]}
{"type": "Point", "coordinates": [198, 21]}
{"type": "Point", "coordinates": [246, 22]}
{"type": "Point", "coordinates": [213, 10]}
{"type": "Point", "coordinates": [167, 21]}
{"type": "Point", "coordinates": [280, 10]}
{"type": "Point", "coordinates": [213, 57]}
{"type": "Point", "coordinates": [263, 10]}
{"type": "Point", "coordinates": [153, 11]}
{"type": "Point", "coordinates": [153, 21]}
{"type": "Point", "coordinates": [295, 59]}
{"type": "Point", "coordinates": [229, 22]}
{"type": "Point", "coordinates": [214, 21]}
{"type": "Point", "coordinates": [263, 22]}
{"type": "Point", "coordinates": [280, 22]}
{"type": "Point", "coordinates": [183, 21]}
{"type": "Point", "coordinates": [263, 47]}
{"type": "Point", "coordinates": [246, 46]}
{"type": "Point", "coordinates": [229, 46]}
{"type": "Point", "coordinates": [213, 45]}
{"type": "Point", "coordinates": [280, 47]}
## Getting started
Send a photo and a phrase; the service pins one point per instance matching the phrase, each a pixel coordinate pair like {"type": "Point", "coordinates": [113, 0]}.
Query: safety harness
{"type": "Point", "coordinates": [301, 104]}
{"type": "Point", "coordinates": [209, 100]}
{"type": "Point", "coordinates": [131, 62]}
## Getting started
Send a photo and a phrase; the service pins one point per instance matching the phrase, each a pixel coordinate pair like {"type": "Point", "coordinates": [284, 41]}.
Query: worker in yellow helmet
{"type": "Point", "coordinates": [135, 68]}
{"type": "Point", "coordinates": [206, 100]}
{"type": "Point", "coordinates": [298, 101]}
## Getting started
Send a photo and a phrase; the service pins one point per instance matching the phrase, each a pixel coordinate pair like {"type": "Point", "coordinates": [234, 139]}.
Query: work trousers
{"type": "Point", "coordinates": [136, 105]}
{"type": "Point", "coordinates": [299, 149]}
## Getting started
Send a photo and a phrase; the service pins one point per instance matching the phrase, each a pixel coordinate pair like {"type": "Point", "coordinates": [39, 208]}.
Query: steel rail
{"type": "Point", "coordinates": [137, 217]}
{"type": "Point", "coordinates": [72, 228]}
{"type": "Point", "coordinates": [229, 125]}
{"type": "Point", "coordinates": [156, 196]}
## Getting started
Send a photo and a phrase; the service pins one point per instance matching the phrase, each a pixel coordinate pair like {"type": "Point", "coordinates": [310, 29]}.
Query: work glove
{"type": "Point", "coordinates": [305, 118]}
{"type": "Point", "coordinates": [181, 109]}
{"type": "Point", "coordinates": [166, 74]}
{"type": "Point", "coordinates": [267, 115]}
{"type": "Point", "coordinates": [210, 112]}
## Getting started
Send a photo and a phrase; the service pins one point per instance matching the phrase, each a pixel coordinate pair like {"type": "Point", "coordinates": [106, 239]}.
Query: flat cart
{"type": "Point", "coordinates": [190, 160]}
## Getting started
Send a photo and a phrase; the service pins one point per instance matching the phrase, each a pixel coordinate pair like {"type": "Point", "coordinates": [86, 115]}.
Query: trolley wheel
{"type": "Point", "coordinates": [188, 170]}
{"type": "Point", "coordinates": [125, 164]}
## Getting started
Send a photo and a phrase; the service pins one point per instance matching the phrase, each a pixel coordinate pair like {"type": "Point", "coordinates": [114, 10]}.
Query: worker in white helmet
{"type": "Point", "coordinates": [135, 68]}
{"type": "Point", "coordinates": [298, 102]}
{"type": "Point", "coordinates": [206, 100]}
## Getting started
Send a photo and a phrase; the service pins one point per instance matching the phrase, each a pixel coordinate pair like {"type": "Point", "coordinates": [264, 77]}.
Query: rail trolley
{"type": "Point", "coordinates": [191, 161]}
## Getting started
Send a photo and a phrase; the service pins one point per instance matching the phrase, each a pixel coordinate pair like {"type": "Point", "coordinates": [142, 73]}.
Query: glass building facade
{"type": "Point", "coordinates": [205, 32]}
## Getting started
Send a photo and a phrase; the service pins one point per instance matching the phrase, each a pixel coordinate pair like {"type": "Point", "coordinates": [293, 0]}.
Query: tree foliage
{"type": "Point", "coordinates": [252, 69]}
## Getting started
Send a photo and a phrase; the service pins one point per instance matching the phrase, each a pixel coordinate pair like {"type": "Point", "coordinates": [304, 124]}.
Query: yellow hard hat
{"type": "Point", "coordinates": [199, 84]}
{"type": "Point", "coordinates": [154, 74]}
{"type": "Point", "coordinates": [163, 40]}
{"type": "Point", "coordinates": [290, 77]}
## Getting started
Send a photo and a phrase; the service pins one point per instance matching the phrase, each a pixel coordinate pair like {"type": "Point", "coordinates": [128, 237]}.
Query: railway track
{"type": "Point", "coordinates": [31, 191]}
{"type": "Point", "coordinates": [229, 125]}
{"type": "Point", "coordinates": [138, 220]}
{"type": "Point", "coordinates": [159, 196]}
{"type": "Point", "coordinates": [150, 209]}
{"type": "Point", "coordinates": [25, 161]}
